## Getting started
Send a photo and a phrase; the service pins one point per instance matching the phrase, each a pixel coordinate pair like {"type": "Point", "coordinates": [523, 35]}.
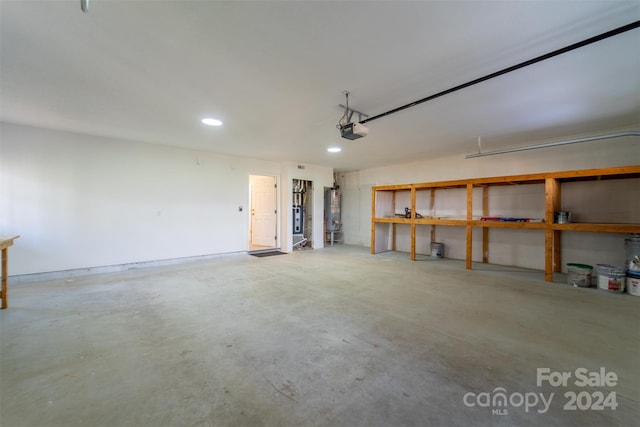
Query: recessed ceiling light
{"type": "Point", "coordinates": [334, 149]}
{"type": "Point", "coordinates": [212, 122]}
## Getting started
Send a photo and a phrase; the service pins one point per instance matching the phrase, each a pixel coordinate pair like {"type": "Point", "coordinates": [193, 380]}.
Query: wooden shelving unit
{"type": "Point", "coordinates": [384, 200]}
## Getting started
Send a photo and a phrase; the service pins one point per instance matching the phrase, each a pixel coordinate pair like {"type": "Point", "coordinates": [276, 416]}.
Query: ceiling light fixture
{"type": "Point", "coordinates": [211, 122]}
{"type": "Point", "coordinates": [334, 149]}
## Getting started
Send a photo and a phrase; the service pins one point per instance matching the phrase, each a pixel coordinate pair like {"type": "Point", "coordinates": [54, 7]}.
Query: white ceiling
{"type": "Point", "coordinates": [274, 72]}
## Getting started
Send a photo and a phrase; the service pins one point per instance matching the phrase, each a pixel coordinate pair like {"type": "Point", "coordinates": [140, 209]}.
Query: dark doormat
{"type": "Point", "coordinates": [265, 254]}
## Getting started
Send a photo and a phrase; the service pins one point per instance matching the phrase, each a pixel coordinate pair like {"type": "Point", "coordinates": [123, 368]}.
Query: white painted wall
{"type": "Point", "coordinates": [606, 201]}
{"type": "Point", "coordinates": [81, 201]}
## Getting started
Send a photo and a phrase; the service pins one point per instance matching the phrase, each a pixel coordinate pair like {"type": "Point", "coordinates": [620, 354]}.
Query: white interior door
{"type": "Point", "coordinates": [263, 211]}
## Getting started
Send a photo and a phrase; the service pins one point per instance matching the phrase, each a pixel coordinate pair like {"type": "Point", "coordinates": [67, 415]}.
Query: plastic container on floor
{"type": "Point", "coordinates": [611, 277]}
{"type": "Point", "coordinates": [633, 283]}
{"type": "Point", "coordinates": [437, 250]}
{"type": "Point", "coordinates": [632, 247]}
{"type": "Point", "coordinates": [579, 275]}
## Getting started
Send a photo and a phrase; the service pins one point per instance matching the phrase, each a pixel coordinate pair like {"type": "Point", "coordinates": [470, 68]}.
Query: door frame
{"type": "Point", "coordinates": [308, 213]}
{"type": "Point", "coordinates": [278, 239]}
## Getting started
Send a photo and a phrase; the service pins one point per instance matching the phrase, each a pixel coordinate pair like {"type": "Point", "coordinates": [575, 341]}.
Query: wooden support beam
{"type": "Point", "coordinates": [413, 241]}
{"type": "Point", "coordinates": [413, 224]}
{"type": "Point", "coordinates": [557, 246]}
{"type": "Point", "coordinates": [432, 211]}
{"type": "Point", "coordinates": [485, 230]}
{"type": "Point", "coordinates": [469, 246]}
{"type": "Point", "coordinates": [393, 226]}
{"type": "Point", "coordinates": [469, 227]}
{"type": "Point", "coordinates": [552, 246]}
{"type": "Point", "coordinates": [373, 223]}
{"type": "Point", "coordinates": [393, 237]}
{"type": "Point", "coordinates": [5, 242]}
{"type": "Point", "coordinates": [5, 296]}
{"type": "Point", "coordinates": [552, 198]}
{"type": "Point", "coordinates": [548, 253]}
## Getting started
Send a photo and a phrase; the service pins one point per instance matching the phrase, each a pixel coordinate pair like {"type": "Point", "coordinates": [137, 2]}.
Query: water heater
{"type": "Point", "coordinates": [332, 209]}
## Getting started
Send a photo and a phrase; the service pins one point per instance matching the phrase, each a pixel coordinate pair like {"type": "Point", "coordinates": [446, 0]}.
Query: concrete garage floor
{"type": "Point", "coordinates": [329, 337]}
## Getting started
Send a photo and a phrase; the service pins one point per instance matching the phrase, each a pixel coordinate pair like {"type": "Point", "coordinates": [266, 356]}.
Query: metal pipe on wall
{"type": "Point", "coordinates": [553, 144]}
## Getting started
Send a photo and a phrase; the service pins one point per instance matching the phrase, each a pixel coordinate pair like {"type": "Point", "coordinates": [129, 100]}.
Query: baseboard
{"type": "Point", "coordinates": [65, 274]}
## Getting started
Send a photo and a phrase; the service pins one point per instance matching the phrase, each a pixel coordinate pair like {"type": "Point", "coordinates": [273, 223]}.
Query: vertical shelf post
{"type": "Point", "coordinates": [413, 223]}
{"type": "Point", "coordinates": [373, 223]}
{"type": "Point", "coordinates": [548, 255]}
{"type": "Point", "coordinates": [469, 227]}
{"type": "Point", "coordinates": [485, 230]}
{"type": "Point", "coordinates": [3, 293]}
{"type": "Point", "coordinates": [557, 243]}
{"type": "Point", "coordinates": [393, 226]}
{"type": "Point", "coordinates": [432, 212]}
{"type": "Point", "coordinates": [551, 237]}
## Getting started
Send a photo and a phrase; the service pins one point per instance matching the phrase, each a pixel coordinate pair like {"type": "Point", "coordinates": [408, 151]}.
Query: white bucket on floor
{"type": "Point", "coordinates": [632, 247]}
{"type": "Point", "coordinates": [633, 283]}
{"type": "Point", "coordinates": [611, 278]}
{"type": "Point", "coordinates": [437, 249]}
{"type": "Point", "coordinates": [579, 275]}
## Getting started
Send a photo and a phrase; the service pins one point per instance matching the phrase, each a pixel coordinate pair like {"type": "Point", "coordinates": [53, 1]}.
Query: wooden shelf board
{"type": "Point", "coordinates": [393, 220]}
{"type": "Point", "coordinates": [601, 227]}
{"type": "Point", "coordinates": [441, 185]}
{"type": "Point", "coordinates": [620, 172]}
{"type": "Point", "coordinates": [508, 224]}
{"type": "Point", "coordinates": [604, 227]}
{"type": "Point", "coordinates": [5, 242]}
{"type": "Point", "coordinates": [453, 222]}
{"type": "Point", "coordinates": [401, 187]}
